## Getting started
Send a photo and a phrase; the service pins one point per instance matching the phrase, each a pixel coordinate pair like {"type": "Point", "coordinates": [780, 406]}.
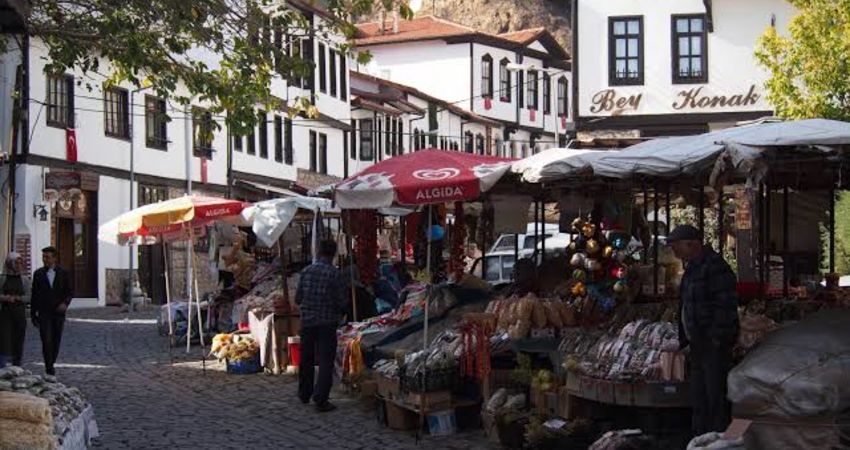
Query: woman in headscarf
{"type": "Point", "coordinates": [14, 296]}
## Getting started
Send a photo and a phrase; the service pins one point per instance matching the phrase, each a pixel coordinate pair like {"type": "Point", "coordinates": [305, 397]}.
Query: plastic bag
{"type": "Point", "coordinates": [715, 441]}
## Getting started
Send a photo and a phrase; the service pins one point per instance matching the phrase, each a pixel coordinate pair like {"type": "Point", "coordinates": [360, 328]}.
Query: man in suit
{"type": "Point", "coordinates": [51, 295]}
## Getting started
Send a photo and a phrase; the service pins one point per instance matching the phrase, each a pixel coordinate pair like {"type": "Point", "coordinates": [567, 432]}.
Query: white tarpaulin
{"type": "Point", "coordinates": [739, 147]}
{"type": "Point", "coordinates": [270, 218]}
{"type": "Point", "coordinates": [554, 163]}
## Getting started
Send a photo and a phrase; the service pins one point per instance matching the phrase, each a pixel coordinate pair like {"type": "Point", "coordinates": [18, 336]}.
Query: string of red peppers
{"type": "Point", "coordinates": [475, 359]}
{"type": "Point", "coordinates": [365, 231]}
{"type": "Point", "coordinates": [456, 261]}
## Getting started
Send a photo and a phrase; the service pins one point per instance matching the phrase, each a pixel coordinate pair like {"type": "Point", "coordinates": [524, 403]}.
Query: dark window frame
{"type": "Point", "coordinates": [487, 76]}
{"type": "Point", "coordinates": [547, 93]}
{"type": "Point", "coordinates": [520, 83]}
{"type": "Point", "coordinates": [116, 120]}
{"type": "Point", "coordinates": [505, 93]}
{"type": "Point", "coordinates": [313, 146]}
{"type": "Point", "coordinates": [202, 133]}
{"type": "Point", "coordinates": [675, 35]}
{"type": "Point", "coordinates": [367, 140]}
{"type": "Point", "coordinates": [238, 142]}
{"type": "Point", "coordinates": [60, 115]}
{"type": "Point", "coordinates": [388, 135]}
{"type": "Point", "coordinates": [332, 71]}
{"type": "Point", "coordinates": [343, 77]}
{"type": "Point", "coordinates": [288, 147]}
{"type": "Point", "coordinates": [263, 133]}
{"type": "Point", "coordinates": [323, 153]}
{"type": "Point", "coordinates": [323, 68]}
{"type": "Point", "coordinates": [613, 78]}
{"type": "Point", "coordinates": [278, 138]}
{"type": "Point", "coordinates": [533, 85]}
{"type": "Point", "coordinates": [156, 123]}
{"type": "Point", "coordinates": [479, 144]}
{"type": "Point", "coordinates": [469, 142]}
{"type": "Point", "coordinates": [563, 100]}
{"type": "Point", "coordinates": [251, 143]}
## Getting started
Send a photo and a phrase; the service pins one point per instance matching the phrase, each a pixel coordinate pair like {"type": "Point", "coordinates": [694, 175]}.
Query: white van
{"type": "Point", "coordinates": [497, 265]}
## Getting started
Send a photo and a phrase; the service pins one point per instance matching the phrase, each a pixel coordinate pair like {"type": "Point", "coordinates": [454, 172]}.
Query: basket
{"type": "Point", "coordinates": [435, 380]}
{"type": "Point", "coordinates": [245, 367]}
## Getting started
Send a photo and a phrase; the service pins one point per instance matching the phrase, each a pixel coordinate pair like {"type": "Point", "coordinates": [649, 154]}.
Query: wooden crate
{"type": "Point", "coordinates": [433, 401]}
{"type": "Point", "coordinates": [388, 388]}
{"type": "Point", "coordinates": [399, 418]}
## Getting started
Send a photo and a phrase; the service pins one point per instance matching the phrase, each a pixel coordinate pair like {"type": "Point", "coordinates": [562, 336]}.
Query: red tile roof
{"type": "Point", "coordinates": [418, 29]}
{"type": "Point", "coordinates": [524, 37]}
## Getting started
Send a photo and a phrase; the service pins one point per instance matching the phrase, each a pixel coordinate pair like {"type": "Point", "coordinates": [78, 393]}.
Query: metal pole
{"type": "Point", "coordinates": [132, 184]}
{"type": "Point", "coordinates": [785, 242]}
{"type": "Point", "coordinates": [720, 228]}
{"type": "Point", "coordinates": [645, 251]}
{"type": "Point", "coordinates": [759, 256]}
{"type": "Point", "coordinates": [667, 211]}
{"type": "Point", "coordinates": [187, 135]}
{"type": "Point", "coordinates": [543, 239]}
{"type": "Point", "coordinates": [767, 245]}
{"type": "Point", "coordinates": [402, 221]}
{"type": "Point", "coordinates": [701, 212]}
{"type": "Point", "coordinates": [832, 230]}
{"type": "Point", "coordinates": [655, 240]}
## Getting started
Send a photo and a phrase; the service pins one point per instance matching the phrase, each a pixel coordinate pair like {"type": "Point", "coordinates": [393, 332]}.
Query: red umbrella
{"type": "Point", "coordinates": [420, 178]}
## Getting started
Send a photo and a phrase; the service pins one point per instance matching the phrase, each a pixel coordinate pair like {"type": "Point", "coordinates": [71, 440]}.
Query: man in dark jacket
{"type": "Point", "coordinates": [51, 296]}
{"type": "Point", "coordinates": [708, 326]}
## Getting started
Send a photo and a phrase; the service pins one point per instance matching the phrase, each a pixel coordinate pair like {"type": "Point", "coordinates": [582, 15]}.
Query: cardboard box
{"type": "Point", "coordinates": [551, 404]}
{"type": "Point", "coordinates": [368, 389]}
{"type": "Point", "coordinates": [432, 400]}
{"type": "Point", "coordinates": [388, 388]}
{"type": "Point", "coordinates": [399, 418]}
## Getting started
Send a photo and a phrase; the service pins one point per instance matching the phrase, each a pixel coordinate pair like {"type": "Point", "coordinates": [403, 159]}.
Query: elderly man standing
{"type": "Point", "coordinates": [321, 296]}
{"type": "Point", "coordinates": [708, 326]}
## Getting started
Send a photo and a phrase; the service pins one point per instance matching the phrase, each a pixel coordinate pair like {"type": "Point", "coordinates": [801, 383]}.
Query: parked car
{"type": "Point", "coordinates": [497, 265]}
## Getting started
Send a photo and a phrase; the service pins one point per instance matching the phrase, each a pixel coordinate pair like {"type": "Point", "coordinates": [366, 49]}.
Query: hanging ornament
{"type": "Point", "coordinates": [592, 265]}
{"type": "Point", "coordinates": [592, 246]}
{"type": "Point", "coordinates": [588, 230]}
{"type": "Point", "coordinates": [578, 260]}
{"type": "Point", "coordinates": [618, 272]}
{"type": "Point", "coordinates": [608, 252]}
{"type": "Point", "coordinates": [579, 275]}
{"type": "Point", "coordinates": [579, 289]}
{"type": "Point", "coordinates": [572, 247]}
{"type": "Point", "coordinates": [577, 224]}
{"type": "Point", "coordinates": [619, 242]}
{"type": "Point", "coordinates": [620, 256]}
{"type": "Point", "coordinates": [620, 287]}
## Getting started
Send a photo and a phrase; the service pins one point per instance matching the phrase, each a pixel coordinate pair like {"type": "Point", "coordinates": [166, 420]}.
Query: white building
{"type": "Point", "coordinates": [390, 119]}
{"type": "Point", "coordinates": [61, 198]}
{"type": "Point", "coordinates": [668, 67]}
{"type": "Point", "coordinates": [520, 80]}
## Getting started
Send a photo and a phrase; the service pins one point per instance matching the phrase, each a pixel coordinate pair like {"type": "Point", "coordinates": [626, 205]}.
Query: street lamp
{"type": "Point", "coordinates": [145, 85]}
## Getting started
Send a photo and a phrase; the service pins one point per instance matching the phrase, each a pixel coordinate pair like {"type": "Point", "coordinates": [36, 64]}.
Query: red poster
{"type": "Point", "coordinates": [71, 144]}
{"type": "Point", "coordinates": [488, 103]}
{"type": "Point", "coordinates": [564, 122]}
{"type": "Point", "coordinates": [532, 115]}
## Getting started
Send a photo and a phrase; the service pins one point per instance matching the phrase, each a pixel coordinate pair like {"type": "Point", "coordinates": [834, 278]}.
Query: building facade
{"type": "Point", "coordinates": [520, 80]}
{"type": "Point", "coordinates": [647, 68]}
{"type": "Point", "coordinates": [73, 137]}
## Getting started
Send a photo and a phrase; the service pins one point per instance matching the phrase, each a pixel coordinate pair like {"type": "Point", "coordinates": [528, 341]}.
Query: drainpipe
{"type": "Point", "coordinates": [23, 132]}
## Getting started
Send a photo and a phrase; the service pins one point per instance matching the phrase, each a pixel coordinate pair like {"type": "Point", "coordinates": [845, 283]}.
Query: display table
{"type": "Point", "coordinates": [660, 394]}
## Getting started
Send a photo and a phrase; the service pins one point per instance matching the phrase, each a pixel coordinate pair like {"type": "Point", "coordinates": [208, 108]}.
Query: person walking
{"type": "Point", "coordinates": [708, 326]}
{"type": "Point", "coordinates": [14, 296]}
{"type": "Point", "coordinates": [51, 296]}
{"type": "Point", "coordinates": [321, 296]}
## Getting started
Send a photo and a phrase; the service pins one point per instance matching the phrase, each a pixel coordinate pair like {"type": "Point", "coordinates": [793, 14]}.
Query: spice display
{"type": "Point", "coordinates": [234, 347]}
{"type": "Point", "coordinates": [519, 316]}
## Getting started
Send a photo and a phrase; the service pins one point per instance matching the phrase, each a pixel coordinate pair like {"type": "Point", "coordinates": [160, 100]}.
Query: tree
{"type": "Point", "coordinates": [160, 43]}
{"type": "Point", "coordinates": [810, 77]}
{"type": "Point", "coordinates": [810, 67]}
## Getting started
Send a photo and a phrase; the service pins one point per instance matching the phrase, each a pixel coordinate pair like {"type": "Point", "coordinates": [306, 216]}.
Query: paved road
{"type": "Point", "coordinates": [142, 400]}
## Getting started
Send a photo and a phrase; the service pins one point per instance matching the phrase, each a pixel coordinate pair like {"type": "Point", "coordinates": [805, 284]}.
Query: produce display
{"type": "Point", "coordinates": [519, 316]}
{"type": "Point", "coordinates": [267, 296]}
{"type": "Point", "coordinates": [65, 404]}
{"type": "Point", "coordinates": [234, 347]}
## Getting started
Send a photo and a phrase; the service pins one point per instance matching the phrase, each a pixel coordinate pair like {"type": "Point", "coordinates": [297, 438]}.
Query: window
{"type": "Point", "coordinates": [520, 88]}
{"type": "Point", "coordinates": [263, 129]}
{"type": "Point", "coordinates": [343, 78]}
{"type": "Point", "coordinates": [366, 153]}
{"type": "Point", "coordinates": [388, 135]}
{"type": "Point", "coordinates": [294, 46]}
{"type": "Point", "coordinates": [690, 52]}
{"type": "Point", "coordinates": [353, 138]}
{"type": "Point", "coordinates": [378, 135]}
{"type": "Point", "coordinates": [625, 50]}
{"type": "Point", "coordinates": [400, 136]}
{"type": "Point", "coordinates": [314, 157]}
{"type": "Point", "coordinates": [563, 97]}
{"type": "Point", "coordinates": [252, 143]}
{"type": "Point", "coordinates": [202, 133]}
{"type": "Point", "coordinates": [278, 138]}
{"type": "Point", "coordinates": [323, 78]}
{"type": "Point", "coordinates": [394, 136]}
{"type": "Point", "coordinates": [487, 76]}
{"type": "Point", "coordinates": [547, 93]}
{"type": "Point", "coordinates": [307, 56]}
{"type": "Point", "coordinates": [468, 142]}
{"type": "Point", "coordinates": [504, 81]}
{"type": "Point", "coordinates": [422, 140]}
{"type": "Point", "coordinates": [238, 139]}
{"type": "Point", "coordinates": [279, 49]}
{"type": "Point", "coordinates": [416, 139]}
{"type": "Point", "coordinates": [532, 89]}
{"type": "Point", "coordinates": [287, 148]}
{"type": "Point", "coordinates": [60, 101]}
{"type": "Point", "coordinates": [323, 153]}
{"type": "Point", "coordinates": [479, 143]}
{"type": "Point", "coordinates": [116, 117]}
{"type": "Point", "coordinates": [333, 73]}
{"type": "Point", "coordinates": [156, 123]}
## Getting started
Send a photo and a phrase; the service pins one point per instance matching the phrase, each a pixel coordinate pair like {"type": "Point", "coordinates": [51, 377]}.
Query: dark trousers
{"type": "Point", "coordinates": [13, 331]}
{"type": "Point", "coordinates": [709, 367]}
{"type": "Point", "coordinates": [50, 328]}
{"type": "Point", "coordinates": [316, 342]}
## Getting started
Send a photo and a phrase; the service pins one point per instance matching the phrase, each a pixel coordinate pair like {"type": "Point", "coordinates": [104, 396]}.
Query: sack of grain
{"type": "Point", "coordinates": [21, 435]}
{"type": "Point", "coordinates": [25, 408]}
{"type": "Point", "coordinates": [568, 315]}
{"type": "Point", "coordinates": [538, 318]}
{"type": "Point", "coordinates": [553, 314]}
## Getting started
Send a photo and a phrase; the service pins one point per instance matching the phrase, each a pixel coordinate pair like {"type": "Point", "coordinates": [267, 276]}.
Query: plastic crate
{"type": "Point", "coordinates": [246, 367]}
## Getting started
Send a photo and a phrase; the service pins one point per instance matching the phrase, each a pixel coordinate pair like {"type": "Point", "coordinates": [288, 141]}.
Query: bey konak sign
{"type": "Point", "coordinates": [611, 102]}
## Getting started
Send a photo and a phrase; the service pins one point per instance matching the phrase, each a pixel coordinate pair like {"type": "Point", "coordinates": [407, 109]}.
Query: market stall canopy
{"type": "Point", "coordinates": [691, 155]}
{"type": "Point", "coordinates": [270, 218]}
{"type": "Point", "coordinates": [168, 219]}
{"type": "Point", "coordinates": [555, 163]}
{"type": "Point", "coordinates": [420, 178]}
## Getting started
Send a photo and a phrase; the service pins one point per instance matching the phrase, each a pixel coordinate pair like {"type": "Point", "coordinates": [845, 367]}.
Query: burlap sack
{"type": "Point", "coordinates": [21, 435]}
{"type": "Point", "coordinates": [26, 408]}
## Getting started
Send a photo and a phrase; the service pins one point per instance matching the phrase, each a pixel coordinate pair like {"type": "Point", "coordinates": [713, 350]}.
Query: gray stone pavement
{"type": "Point", "coordinates": [147, 397]}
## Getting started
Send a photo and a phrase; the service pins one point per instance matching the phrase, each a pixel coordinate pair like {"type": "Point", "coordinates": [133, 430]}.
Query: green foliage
{"type": "Point", "coordinates": [157, 43]}
{"type": "Point", "coordinates": [810, 68]}
{"type": "Point", "coordinates": [523, 375]}
{"type": "Point", "coordinates": [688, 215]}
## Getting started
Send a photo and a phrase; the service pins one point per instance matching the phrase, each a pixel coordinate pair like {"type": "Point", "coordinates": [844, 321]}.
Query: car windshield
{"type": "Point", "coordinates": [498, 268]}
{"type": "Point", "coordinates": [530, 242]}
{"type": "Point", "coordinates": [505, 242]}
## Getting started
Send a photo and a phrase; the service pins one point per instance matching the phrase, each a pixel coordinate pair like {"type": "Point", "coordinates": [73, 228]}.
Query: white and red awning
{"type": "Point", "coordinates": [421, 178]}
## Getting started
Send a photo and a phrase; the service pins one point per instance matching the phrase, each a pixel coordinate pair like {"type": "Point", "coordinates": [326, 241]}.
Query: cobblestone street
{"type": "Point", "coordinates": [141, 400]}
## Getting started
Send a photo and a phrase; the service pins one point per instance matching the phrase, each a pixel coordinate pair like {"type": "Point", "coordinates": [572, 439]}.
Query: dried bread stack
{"type": "Point", "coordinates": [25, 422]}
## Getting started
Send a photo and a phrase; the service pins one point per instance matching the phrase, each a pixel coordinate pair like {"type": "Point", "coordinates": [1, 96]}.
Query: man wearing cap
{"type": "Point", "coordinates": [708, 326]}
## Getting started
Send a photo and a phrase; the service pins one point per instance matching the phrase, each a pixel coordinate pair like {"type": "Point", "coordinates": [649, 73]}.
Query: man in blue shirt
{"type": "Point", "coordinates": [321, 296]}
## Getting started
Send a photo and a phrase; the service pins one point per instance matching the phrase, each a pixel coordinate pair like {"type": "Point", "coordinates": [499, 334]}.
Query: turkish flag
{"type": "Point", "coordinates": [563, 121]}
{"type": "Point", "coordinates": [203, 170]}
{"type": "Point", "coordinates": [488, 103]}
{"type": "Point", "coordinates": [532, 115]}
{"type": "Point", "coordinates": [71, 144]}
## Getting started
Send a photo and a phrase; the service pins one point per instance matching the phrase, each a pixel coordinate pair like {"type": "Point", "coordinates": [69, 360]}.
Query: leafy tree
{"type": "Point", "coordinates": [159, 43]}
{"type": "Point", "coordinates": [810, 77]}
